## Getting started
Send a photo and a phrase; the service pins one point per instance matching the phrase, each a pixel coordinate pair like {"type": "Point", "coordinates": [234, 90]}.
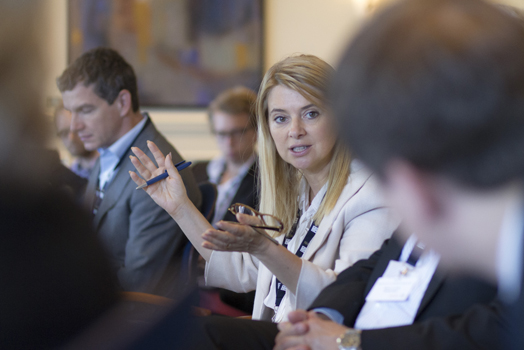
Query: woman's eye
{"type": "Point", "coordinates": [279, 119]}
{"type": "Point", "coordinates": [312, 114]}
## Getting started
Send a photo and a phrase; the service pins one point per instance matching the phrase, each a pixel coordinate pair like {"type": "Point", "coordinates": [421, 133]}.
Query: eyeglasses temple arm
{"type": "Point", "coordinates": [266, 235]}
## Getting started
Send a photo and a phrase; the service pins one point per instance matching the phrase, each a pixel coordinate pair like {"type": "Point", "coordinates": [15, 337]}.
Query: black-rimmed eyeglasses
{"type": "Point", "coordinates": [235, 134]}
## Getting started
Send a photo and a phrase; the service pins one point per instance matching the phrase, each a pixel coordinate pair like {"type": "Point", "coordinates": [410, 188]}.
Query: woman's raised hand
{"type": "Point", "coordinates": [170, 193]}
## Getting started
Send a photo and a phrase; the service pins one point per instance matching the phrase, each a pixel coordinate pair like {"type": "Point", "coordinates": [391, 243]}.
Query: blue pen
{"type": "Point", "coordinates": [179, 166]}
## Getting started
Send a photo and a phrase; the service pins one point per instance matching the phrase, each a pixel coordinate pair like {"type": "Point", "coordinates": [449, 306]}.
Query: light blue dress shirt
{"type": "Point", "coordinates": [110, 157]}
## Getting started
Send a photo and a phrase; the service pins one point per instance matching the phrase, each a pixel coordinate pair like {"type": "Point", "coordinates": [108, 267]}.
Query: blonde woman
{"type": "Point", "coordinates": [330, 207]}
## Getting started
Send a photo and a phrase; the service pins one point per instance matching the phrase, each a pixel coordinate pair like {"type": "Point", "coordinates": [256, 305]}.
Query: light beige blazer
{"type": "Point", "coordinates": [353, 230]}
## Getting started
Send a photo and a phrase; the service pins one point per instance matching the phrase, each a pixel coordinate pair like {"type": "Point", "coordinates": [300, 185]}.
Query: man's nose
{"type": "Point", "coordinates": [76, 124]}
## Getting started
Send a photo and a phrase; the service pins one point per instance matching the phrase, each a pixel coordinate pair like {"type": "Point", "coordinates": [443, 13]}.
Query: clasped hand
{"type": "Point", "coordinates": [307, 331]}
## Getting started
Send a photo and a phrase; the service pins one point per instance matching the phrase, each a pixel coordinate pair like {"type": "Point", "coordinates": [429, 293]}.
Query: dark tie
{"type": "Point", "coordinates": [415, 254]}
{"type": "Point", "coordinates": [99, 194]}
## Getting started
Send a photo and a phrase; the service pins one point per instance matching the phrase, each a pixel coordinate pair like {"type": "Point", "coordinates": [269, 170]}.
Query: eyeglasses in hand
{"type": "Point", "coordinates": [269, 222]}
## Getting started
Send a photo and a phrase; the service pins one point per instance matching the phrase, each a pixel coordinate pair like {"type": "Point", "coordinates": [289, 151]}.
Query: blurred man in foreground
{"type": "Point", "coordinates": [430, 94]}
{"type": "Point", "coordinates": [56, 279]}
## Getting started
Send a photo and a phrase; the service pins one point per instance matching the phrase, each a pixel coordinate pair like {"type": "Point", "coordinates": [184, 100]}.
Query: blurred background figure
{"type": "Point", "coordinates": [233, 121]}
{"type": "Point", "coordinates": [83, 160]}
{"type": "Point", "coordinates": [55, 277]}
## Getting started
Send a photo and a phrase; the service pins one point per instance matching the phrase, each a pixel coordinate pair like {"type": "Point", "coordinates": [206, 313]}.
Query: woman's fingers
{"type": "Point", "coordinates": [242, 229]}
{"type": "Point", "coordinates": [146, 162]}
{"type": "Point", "coordinates": [137, 179]}
{"type": "Point", "coordinates": [229, 240]}
{"type": "Point", "coordinates": [238, 230]}
{"type": "Point", "coordinates": [170, 167]}
{"type": "Point", "coordinates": [218, 240]}
{"type": "Point", "coordinates": [235, 237]}
{"type": "Point", "coordinates": [249, 219]}
{"type": "Point", "coordinates": [142, 170]}
{"type": "Point", "coordinates": [157, 153]}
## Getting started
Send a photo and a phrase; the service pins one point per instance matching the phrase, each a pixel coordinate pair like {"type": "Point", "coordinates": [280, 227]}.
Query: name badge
{"type": "Point", "coordinates": [396, 284]}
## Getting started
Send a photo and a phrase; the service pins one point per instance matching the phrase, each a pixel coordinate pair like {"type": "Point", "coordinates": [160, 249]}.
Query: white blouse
{"type": "Point", "coordinates": [306, 220]}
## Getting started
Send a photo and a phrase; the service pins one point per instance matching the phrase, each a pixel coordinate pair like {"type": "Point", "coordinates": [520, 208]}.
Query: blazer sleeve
{"type": "Point", "coordinates": [234, 271]}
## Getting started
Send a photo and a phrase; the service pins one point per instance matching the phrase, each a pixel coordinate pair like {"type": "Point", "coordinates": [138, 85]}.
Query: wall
{"type": "Point", "coordinates": [319, 27]}
{"type": "Point", "coordinates": [292, 26]}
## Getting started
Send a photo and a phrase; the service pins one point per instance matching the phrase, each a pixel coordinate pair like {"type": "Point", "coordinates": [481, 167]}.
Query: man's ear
{"type": "Point", "coordinates": [414, 193]}
{"type": "Point", "coordinates": [124, 102]}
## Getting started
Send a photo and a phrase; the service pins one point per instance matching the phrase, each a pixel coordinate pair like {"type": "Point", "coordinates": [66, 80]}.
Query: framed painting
{"type": "Point", "coordinates": [184, 52]}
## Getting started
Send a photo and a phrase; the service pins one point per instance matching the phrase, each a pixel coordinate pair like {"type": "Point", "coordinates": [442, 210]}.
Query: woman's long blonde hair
{"type": "Point", "coordinates": [279, 181]}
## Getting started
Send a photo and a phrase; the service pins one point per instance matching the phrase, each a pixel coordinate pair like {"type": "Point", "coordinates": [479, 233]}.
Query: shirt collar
{"type": "Point", "coordinates": [310, 210]}
{"type": "Point", "coordinates": [217, 166]}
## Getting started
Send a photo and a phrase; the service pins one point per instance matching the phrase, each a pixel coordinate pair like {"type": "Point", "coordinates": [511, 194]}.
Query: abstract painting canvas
{"type": "Point", "coordinates": [184, 52]}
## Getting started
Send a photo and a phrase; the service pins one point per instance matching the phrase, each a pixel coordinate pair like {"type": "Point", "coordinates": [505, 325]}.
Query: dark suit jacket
{"type": "Point", "coordinates": [144, 243]}
{"type": "Point", "coordinates": [247, 191]}
{"type": "Point", "coordinates": [455, 313]}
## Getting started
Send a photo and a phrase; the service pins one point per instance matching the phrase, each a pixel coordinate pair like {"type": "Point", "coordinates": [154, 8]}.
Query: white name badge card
{"type": "Point", "coordinates": [395, 285]}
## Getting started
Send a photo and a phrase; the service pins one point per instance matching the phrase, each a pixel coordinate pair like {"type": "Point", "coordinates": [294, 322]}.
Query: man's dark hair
{"type": "Point", "coordinates": [107, 70]}
{"type": "Point", "coordinates": [439, 83]}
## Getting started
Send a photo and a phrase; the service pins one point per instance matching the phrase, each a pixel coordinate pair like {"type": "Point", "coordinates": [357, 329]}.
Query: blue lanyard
{"type": "Point", "coordinates": [280, 288]}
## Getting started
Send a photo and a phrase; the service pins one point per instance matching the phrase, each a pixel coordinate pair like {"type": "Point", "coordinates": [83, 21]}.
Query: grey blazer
{"type": "Point", "coordinates": [144, 243]}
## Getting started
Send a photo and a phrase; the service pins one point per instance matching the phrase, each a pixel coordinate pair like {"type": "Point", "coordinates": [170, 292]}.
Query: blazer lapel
{"type": "Point", "coordinates": [114, 190]}
{"type": "Point", "coordinates": [121, 179]}
{"type": "Point", "coordinates": [434, 285]}
{"type": "Point", "coordinates": [324, 229]}
{"type": "Point", "coordinates": [391, 253]}
{"type": "Point", "coordinates": [318, 240]}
